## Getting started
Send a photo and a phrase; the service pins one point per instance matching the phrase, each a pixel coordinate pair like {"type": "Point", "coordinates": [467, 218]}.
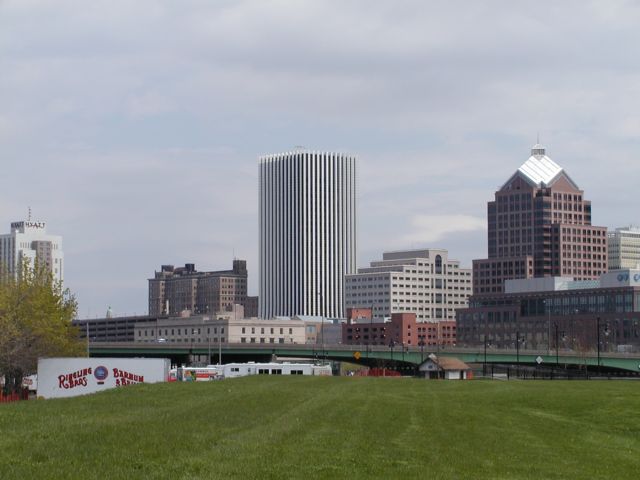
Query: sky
{"type": "Point", "coordinates": [134, 128]}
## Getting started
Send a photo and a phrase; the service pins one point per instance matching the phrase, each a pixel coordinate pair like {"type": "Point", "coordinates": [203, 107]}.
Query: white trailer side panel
{"type": "Point", "coordinates": [70, 377]}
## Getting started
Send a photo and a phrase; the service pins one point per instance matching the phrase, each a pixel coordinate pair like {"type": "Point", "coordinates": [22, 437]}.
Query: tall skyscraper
{"type": "Point", "coordinates": [307, 232]}
{"type": "Point", "coordinates": [539, 225]}
{"type": "Point", "coordinates": [29, 240]}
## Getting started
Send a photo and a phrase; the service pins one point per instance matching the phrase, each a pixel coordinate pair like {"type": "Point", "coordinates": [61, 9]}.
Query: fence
{"type": "Point", "coordinates": [526, 372]}
{"type": "Point", "coordinates": [14, 397]}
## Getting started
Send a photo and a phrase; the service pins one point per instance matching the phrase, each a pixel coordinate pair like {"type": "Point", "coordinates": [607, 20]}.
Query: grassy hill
{"type": "Point", "coordinates": [309, 427]}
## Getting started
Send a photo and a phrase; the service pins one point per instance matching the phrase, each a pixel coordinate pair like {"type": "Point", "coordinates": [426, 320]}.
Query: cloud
{"type": "Point", "coordinates": [426, 229]}
{"type": "Point", "coordinates": [133, 128]}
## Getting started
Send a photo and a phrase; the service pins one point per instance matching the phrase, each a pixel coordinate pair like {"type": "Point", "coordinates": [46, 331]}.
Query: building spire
{"type": "Point", "coordinates": [538, 150]}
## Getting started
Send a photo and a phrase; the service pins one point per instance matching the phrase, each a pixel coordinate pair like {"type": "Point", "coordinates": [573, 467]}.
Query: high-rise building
{"type": "Point", "coordinates": [30, 241]}
{"type": "Point", "coordinates": [175, 290]}
{"type": "Point", "coordinates": [307, 232]}
{"type": "Point", "coordinates": [425, 282]}
{"type": "Point", "coordinates": [539, 225]}
{"type": "Point", "coordinates": [624, 248]}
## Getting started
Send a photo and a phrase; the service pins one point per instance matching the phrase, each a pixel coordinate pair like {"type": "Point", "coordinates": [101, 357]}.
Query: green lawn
{"type": "Point", "coordinates": [311, 427]}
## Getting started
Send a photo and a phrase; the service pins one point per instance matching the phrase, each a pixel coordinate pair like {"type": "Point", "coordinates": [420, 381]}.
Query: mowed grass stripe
{"type": "Point", "coordinates": [310, 427]}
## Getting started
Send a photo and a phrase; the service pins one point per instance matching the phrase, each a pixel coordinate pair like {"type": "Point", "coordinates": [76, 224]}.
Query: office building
{"type": "Point", "coordinates": [545, 313]}
{"type": "Point", "coordinates": [30, 241]}
{"type": "Point", "coordinates": [307, 232]}
{"type": "Point", "coordinates": [425, 282]}
{"type": "Point", "coordinates": [539, 225]}
{"type": "Point", "coordinates": [624, 248]}
{"type": "Point", "coordinates": [176, 290]}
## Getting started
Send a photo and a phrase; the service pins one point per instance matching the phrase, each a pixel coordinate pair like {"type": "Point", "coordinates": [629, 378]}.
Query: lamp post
{"type": "Point", "coordinates": [555, 324]}
{"type": "Point", "coordinates": [547, 304]}
{"type": "Point", "coordinates": [518, 340]}
{"type": "Point", "coordinates": [220, 343]}
{"type": "Point", "coordinates": [484, 365]}
{"type": "Point", "coordinates": [421, 345]}
{"type": "Point", "coordinates": [321, 312]}
{"type": "Point", "coordinates": [371, 331]}
{"type": "Point", "coordinates": [391, 345]}
{"type": "Point", "coordinates": [606, 332]}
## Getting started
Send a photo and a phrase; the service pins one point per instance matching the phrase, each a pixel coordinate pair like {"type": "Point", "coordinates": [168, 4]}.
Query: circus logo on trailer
{"type": "Point", "coordinates": [101, 373]}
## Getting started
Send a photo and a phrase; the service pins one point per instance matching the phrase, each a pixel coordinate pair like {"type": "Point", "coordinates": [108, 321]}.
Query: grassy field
{"type": "Point", "coordinates": [309, 427]}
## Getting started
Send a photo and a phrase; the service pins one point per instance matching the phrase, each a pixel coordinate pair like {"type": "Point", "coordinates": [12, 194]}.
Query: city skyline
{"type": "Point", "coordinates": [134, 130]}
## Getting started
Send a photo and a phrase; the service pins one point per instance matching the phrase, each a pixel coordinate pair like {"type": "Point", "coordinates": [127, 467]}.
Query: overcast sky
{"type": "Point", "coordinates": [133, 127]}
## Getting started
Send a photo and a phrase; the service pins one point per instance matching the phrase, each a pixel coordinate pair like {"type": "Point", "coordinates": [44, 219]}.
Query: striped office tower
{"type": "Point", "coordinates": [307, 232]}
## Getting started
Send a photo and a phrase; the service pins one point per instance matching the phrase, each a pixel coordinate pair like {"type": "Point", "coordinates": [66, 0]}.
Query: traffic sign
{"type": "Point", "coordinates": [539, 360]}
{"type": "Point", "coordinates": [357, 355]}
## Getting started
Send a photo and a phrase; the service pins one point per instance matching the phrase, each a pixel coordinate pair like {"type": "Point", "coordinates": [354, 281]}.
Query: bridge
{"type": "Point", "coordinates": [375, 355]}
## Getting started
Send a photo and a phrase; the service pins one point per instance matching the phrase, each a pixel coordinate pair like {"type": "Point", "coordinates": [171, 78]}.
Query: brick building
{"type": "Point", "coordinates": [539, 225]}
{"type": "Point", "coordinates": [545, 313]}
{"type": "Point", "coordinates": [402, 329]}
{"type": "Point", "coordinates": [175, 290]}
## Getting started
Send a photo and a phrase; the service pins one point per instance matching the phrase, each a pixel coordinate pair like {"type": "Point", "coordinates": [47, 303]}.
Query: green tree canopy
{"type": "Point", "coordinates": [35, 321]}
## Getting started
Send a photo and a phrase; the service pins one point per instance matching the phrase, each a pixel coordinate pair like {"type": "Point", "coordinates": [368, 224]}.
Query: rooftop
{"type": "Point", "coordinates": [539, 168]}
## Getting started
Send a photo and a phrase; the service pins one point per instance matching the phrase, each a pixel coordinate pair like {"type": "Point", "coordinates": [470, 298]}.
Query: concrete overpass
{"type": "Point", "coordinates": [366, 355]}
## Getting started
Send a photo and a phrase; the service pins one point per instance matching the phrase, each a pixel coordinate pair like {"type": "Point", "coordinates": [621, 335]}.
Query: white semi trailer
{"type": "Point", "coordinates": [233, 370]}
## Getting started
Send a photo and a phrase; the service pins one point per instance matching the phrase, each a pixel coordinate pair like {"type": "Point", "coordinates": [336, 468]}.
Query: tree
{"type": "Point", "coordinates": [35, 321]}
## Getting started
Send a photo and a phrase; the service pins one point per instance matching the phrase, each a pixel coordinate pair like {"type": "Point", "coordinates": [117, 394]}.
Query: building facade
{"type": "Point", "coordinates": [402, 330]}
{"type": "Point", "coordinates": [624, 248]}
{"type": "Point", "coordinates": [307, 232]}
{"type": "Point", "coordinates": [205, 329]}
{"type": "Point", "coordinates": [110, 329]}
{"type": "Point", "coordinates": [175, 290]}
{"type": "Point", "coordinates": [539, 225]}
{"type": "Point", "coordinates": [546, 313]}
{"type": "Point", "coordinates": [425, 282]}
{"type": "Point", "coordinates": [29, 241]}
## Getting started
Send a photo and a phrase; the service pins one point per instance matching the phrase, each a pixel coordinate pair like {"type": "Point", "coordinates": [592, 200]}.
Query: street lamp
{"type": "Point", "coordinates": [547, 304]}
{"type": "Point", "coordinates": [220, 343]}
{"type": "Point", "coordinates": [391, 345]}
{"type": "Point", "coordinates": [606, 333]}
{"type": "Point", "coordinates": [518, 340]}
{"type": "Point", "coordinates": [321, 312]}
{"type": "Point", "coordinates": [421, 345]}
{"type": "Point", "coordinates": [484, 365]}
{"type": "Point", "coordinates": [371, 331]}
{"type": "Point", "coordinates": [555, 324]}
